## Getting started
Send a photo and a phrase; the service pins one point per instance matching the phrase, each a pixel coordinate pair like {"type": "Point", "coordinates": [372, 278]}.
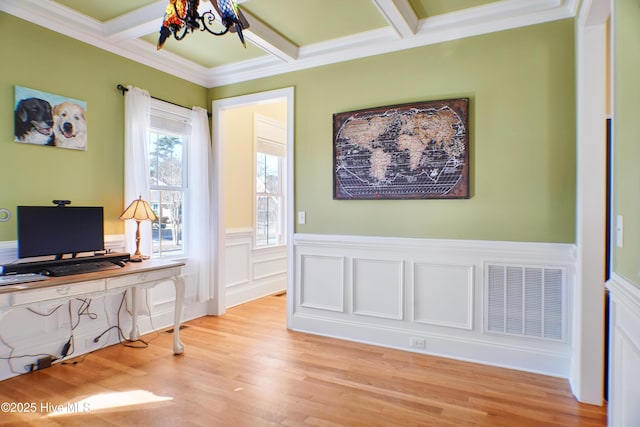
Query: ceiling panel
{"type": "Point", "coordinates": [427, 8]}
{"type": "Point", "coordinates": [208, 50]}
{"type": "Point", "coordinates": [104, 10]}
{"type": "Point", "coordinates": [306, 22]}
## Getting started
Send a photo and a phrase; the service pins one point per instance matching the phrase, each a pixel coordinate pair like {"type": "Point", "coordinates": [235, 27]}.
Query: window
{"type": "Point", "coordinates": [168, 141]}
{"type": "Point", "coordinates": [270, 172]}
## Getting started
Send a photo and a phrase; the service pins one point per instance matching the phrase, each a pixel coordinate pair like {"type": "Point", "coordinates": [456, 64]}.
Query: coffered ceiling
{"type": "Point", "coordinates": [284, 35]}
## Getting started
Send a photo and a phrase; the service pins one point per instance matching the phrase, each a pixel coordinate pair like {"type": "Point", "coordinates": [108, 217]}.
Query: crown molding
{"type": "Point", "coordinates": [120, 35]}
{"type": "Point", "coordinates": [468, 23]}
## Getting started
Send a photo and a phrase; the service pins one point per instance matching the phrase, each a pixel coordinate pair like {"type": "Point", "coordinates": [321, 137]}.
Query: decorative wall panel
{"type": "Point", "coordinates": [378, 288]}
{"type": "Point", "coordinates": [443, 295]}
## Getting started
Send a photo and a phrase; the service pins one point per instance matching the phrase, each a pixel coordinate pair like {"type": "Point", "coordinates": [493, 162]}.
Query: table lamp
{"type": "Point", "coordinates": [139, 210]}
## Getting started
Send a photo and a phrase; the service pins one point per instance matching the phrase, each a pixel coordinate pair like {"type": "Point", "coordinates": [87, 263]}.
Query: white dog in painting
{"type": "Point", "coordinates": [69, 126]}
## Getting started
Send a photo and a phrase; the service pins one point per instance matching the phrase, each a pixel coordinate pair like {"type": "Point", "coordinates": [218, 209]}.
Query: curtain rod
{"type": "Point", "coordinates": [123, 89]}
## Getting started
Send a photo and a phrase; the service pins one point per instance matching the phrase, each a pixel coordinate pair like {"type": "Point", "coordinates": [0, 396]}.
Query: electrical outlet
{"type": "Point", "coordinates": [416, 342]}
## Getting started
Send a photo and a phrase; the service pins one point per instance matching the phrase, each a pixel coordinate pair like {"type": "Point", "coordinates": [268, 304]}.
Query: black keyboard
{"type": "Point", "coordinates": [81, 267]}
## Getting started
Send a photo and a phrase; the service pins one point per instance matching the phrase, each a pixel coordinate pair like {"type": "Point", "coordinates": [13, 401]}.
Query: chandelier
{"type": "Point", "coordinates": [182, 17]}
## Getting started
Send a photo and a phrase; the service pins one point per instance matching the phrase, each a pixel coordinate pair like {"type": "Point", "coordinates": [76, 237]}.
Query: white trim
{"type": "Point", "coordinates": [588, 323]}
{"type": "Point", "coordinates": [625, 293]}
{"type": "Point", "coordinates": [524, 358]}
{"type": "Point", "coordinates": [562, 253]}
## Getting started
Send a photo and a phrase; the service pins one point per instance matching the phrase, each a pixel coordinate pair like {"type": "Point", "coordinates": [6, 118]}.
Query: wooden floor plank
{"type": "Point", "coordinates": [246, 369]}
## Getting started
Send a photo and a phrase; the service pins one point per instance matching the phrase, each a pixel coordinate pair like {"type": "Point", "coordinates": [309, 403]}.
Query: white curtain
{"type": "Point", "coordinates": [137, 113]}
{"type": "Point", "coordinates": [199, 227]}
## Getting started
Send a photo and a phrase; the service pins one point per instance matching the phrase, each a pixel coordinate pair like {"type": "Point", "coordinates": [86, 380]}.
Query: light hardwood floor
{"type": "Point", "coordinates": [246, 369]}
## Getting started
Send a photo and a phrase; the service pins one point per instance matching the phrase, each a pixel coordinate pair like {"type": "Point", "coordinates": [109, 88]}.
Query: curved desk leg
{"type": "Point", "coordinates": [135, 332]}
{"type": "Point", "coordinates": [178, 347]}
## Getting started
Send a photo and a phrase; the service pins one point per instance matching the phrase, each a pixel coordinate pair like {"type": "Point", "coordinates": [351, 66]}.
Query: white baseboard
{"type": "Point", "coordinates": [524, 358]}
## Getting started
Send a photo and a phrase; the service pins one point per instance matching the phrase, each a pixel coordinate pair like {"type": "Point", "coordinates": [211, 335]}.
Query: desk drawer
{"type": "Point", "coordinates": [143, 277]}
{"type": "Point", "coordinates": [55, 292]}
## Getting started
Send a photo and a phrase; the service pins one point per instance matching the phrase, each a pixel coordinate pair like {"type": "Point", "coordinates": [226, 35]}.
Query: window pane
{"type": "Point", "coordinates": [272, 174]}
{"type": "Point", "coordinates": [268, 220]}
{"type": "Point", "coordinates": [165, 158]}
{"type": "Point", "coordinates": [167, 231]}
{"type": "Point", "coordinates": [260, 172]}
{"type": "Point", "coordinates": [269, 199]}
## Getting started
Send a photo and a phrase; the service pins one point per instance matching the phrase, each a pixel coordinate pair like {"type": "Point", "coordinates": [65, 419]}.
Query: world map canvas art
{"type": "Point", "coordinates": [411, 151]}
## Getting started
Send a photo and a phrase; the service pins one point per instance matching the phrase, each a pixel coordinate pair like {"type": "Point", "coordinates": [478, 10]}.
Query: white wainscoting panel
{"type": "Point", "coordinates": [624, 358]}
{"type": "Point", "coordinates": [443, 295]}
{"type": "Point", "coordinates": [252, 273]}
{"type": "Point", "coordinates": [378, 288]}
{"type": "Point", "coordinates": [427, 295]}
{"type": "Point", "coordinates": [237, 259]}
{"type": "Point", "coordinates": [322, 280]}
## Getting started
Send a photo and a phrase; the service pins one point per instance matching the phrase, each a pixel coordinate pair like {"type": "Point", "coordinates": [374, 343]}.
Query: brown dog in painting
{"type": "Point", "coordinates": [69, 126]}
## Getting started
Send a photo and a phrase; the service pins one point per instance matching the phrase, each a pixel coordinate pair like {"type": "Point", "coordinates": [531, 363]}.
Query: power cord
{"type": "Point", "coordinates": [122, 339]}
{"type": "Point", "coordinates": [45, 360]}
{"type": "Point", "coordinates": [27, 368]}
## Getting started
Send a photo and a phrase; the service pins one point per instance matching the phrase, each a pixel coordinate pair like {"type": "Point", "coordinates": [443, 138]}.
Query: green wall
{"type": "Point", "coordinates": [40, 59]}
{"type": "Point", "coordinates": [522, 130]}
{"type": "Point", "coordinates": [521, 85]}
{"type": "Point", "coordinates": [626, 135]}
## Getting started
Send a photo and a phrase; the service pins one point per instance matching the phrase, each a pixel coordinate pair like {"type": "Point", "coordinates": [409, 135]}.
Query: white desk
{"type": "Point", "coordinates": [133, 276]}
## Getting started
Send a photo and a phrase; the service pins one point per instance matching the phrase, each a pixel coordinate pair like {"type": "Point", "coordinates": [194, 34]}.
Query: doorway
{"type": "Point", "coordinates": [236, 237]}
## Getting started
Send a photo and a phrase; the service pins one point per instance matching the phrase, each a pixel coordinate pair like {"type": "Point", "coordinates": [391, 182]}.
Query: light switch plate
{"type": "Point", "coordinates": [619, 231]}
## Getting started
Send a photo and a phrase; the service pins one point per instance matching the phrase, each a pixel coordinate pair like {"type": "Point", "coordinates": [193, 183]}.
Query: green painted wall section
{"type": "Point", "coordinates": [521, 85]}
{"type": "Point", "coordinates": [522, 120]}
{"type": "Point", "coordinates": [37, 58]}
{"type": "Point", "coordinates": [626, 135]}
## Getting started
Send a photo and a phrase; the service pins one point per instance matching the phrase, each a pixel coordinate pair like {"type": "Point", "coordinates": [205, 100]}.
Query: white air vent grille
{"type": "Point", "coordinates": [526, 301]}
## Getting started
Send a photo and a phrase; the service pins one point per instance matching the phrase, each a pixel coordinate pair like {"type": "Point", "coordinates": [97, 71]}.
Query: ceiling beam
{"type": "Point", "coordinates": [400, 15]}
{"type": "Point", "coordinates": [261, 35]}
{"type": "Point", "coordinates": [137, 23]}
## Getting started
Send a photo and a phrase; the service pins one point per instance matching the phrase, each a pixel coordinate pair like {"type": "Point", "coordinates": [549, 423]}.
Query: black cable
{"type": "Point", "coordinates": [122, 339]}
{"type": "Point", "coordinates": [45, 314]}
{"type": "Point", "coordinates": [27, 368]}
{"type": "Point", "coordinates": [83, 310]}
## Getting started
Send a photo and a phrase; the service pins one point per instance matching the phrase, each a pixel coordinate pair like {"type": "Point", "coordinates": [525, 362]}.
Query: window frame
{"type": "Point", "coordinates": [273, 133]}
{"type": "Point", "coordinates": [167, 112]}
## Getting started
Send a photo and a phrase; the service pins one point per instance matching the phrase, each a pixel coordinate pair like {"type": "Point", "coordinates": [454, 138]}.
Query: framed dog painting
{"type": "Point", "coordinates": [50, 120]}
